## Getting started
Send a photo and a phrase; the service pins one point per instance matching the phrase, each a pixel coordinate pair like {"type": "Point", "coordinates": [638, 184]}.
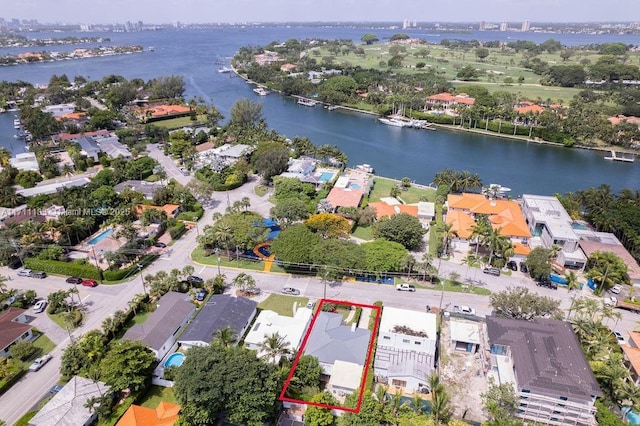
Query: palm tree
{"type": "Point", "coordinates": [416, 404]}
{"type": "Point", "coordinates": [226, 337]}
{"type": "Point", "coordinates": [496, 242]}
{"type": "Point", "coordinates": [3, 284]}
{"type": "Point", "coordinates": [274, 346]}
{"type": "Point", "coordinates": [628, 394]}
{"type": "Point", "coordinates": [440, 399]}
{"type": "Point", "coordinates": [448, 233]}
{"type": "Point", "coordinates": [223, 235]}
{"type": "Point", "coordinates": [572, 280]}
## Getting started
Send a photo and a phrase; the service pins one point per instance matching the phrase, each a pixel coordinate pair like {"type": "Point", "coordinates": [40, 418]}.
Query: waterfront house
{"type": "Point", "coordinates": [406, 348]}
{"type": "Point", "coordinates": [220, 311]}
{"type": "Point", "coordinates": [69, 405]}
{"type": "Point", "coordinates": [605, 242]}
{"type": "Point", "coordinates": [26, 161]}
{"type": "Point", "coordinates": [14, 328]}
{"type": "Point", "coordinates": [146, 188]}
{"type": "Point", "coordinates": [59, 110]}
{"type": "Point", "coordinates": [52, 188]}
{"type": "Point", "coordinates": [159, 331]}
{"type": "Point", "coordinates": [543, 361]}
{"type": "Point", "coordinates": [446, 102]}
{"type": "Point", "coordinates": [349, 189]}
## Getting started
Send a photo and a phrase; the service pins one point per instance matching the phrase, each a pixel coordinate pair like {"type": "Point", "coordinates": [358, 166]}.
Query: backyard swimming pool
{"type": "Point", "coordinates": [355, 186]}
{"type": "Point", "coordinates": [101, 236]}
{"type": "Point", "coordinates": [326, 176]}
{"type": "Point", "coordinates": [174, 360]}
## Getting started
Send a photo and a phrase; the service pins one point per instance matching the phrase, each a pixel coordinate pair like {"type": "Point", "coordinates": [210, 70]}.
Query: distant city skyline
{"type": "Point", "coordinates": [207, 11]}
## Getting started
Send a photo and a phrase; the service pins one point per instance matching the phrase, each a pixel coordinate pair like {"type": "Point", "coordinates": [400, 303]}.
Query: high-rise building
{"type": "Point", "coordinates": [525, 26]}
{"type": "Point", "coordinates": [405, 24]}
{"type": "Point", "coordinates": [482, 26]}
{"type": "Point", "coordinates": [503, 26]}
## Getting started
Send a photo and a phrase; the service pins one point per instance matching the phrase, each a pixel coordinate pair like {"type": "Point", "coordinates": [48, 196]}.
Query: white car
{"type": "Point", "coordinates": [616, 289]}
{"type": "Point", "coordinates": [25, 272]}
{"type": "Point", "coordinates": [39, 306]}
{"type": "Point", "coordinates": [405, 287]}
{"type": "Point", "coordinates": [620, 338]}
{"type": "Point", "coordinates": [38, 363]}
{"type": "Point", "coordinates": [464, 309]}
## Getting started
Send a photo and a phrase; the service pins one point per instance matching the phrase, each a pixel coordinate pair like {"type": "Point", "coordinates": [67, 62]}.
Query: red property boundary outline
{"type": "Point", "coordinates": [374, 332]}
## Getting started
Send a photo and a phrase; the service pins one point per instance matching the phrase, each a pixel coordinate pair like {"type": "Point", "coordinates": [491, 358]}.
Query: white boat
{"type": "Point", "coordinates": [16, 124]}
{"type": "Point", "coordinates": [364, 168]}
{"type": "Point", "coordinates": [225, 69]}
{"type": "Point", "coordinates": [625, 159]}
{"type": "Point", "coordinates": [261, 91]}
{"type": "Point", "coordinates": [332, 107]}
{"type": "Point", "coordinates": [422, 124]}
{"type": "Point", "coordinates": [393, 122]}
{"type": "Point", "coordinates": [151, 49]}
{"type": "Point", "coordinates": [307, 102]}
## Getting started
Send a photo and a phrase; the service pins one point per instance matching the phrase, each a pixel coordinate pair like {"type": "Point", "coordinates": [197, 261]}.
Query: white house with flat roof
{"type": "Point", "coordinates": [268, 322]}
{"type": "Point", "coordinates": [550, 224]}
{"type": "Point", "coordinates": [26, 161]}
{"type": "Point", "coordinates": [465, 335]}
{"type": "Point", "coordinates": [406, 348]}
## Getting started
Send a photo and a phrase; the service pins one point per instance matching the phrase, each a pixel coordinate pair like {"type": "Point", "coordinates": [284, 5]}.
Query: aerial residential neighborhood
{"type": "Point", "coordinates": [163, 263]}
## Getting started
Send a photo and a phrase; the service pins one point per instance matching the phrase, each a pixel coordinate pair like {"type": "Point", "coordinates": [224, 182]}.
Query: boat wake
{"type": "Point", "coordinates": [199, 90]}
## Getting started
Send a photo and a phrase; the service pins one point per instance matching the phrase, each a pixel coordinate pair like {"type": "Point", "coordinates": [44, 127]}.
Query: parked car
{"type": "Point", "coordinates": [290, 290]}
{"type": "Point", "coordinates": [159, 244]}
{"type": "Point", "coordinates": [40, 362]}
{"type": "Point", "coordinates": [523, 267]}
{"type": "Point", "coordinates": [39, 306]}
{"type": "Point", "coordinates": [55, 389]}
{"type": "Point", "coordinates": [405, 287]}
{"type": "Point", "coordinates": [512, 265]}
{"type": "Point", "coordinates": [24, 272]}
{"type": "Point", "coordinates": [74, 280]}
{"type": "Point", "coordinates": [463, 309]}
{"type": "Point", "coordinates": [547, 283]}
{"type": "Point", "coordinates": [192, 279]}
{"type": "Point", "coordinates": [492, 271]}
{"type": "Point", "coordinates": [610, 301]}
{"type": "Point", "coordinates": [311, 304]}
{"type": "Point", "coordinates": [620, 338]}
{"type": "Point", "coordinates": [38, 274]}
{"type": "Point", "coordinates": [616, 289]}
{"type": "Point", "coordinates": [200, 295]}
{"type": "Point", "coordinates": [15, 263]}
{"type": "Point", "coordinates": [89, 283]}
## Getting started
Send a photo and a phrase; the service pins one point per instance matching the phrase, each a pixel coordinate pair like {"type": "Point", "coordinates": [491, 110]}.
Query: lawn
{"type": "Point", "coordinates": [157, 394]}
{"type": "Point", "coordinates": [382, 188]}
{"type": "Point", "coordinates": [364, 233]}
{"type": "Point", "coordinates": [176, 123]}
{"type": "Point", "coordinates": [253, 265]}
{"type": "Point", "coordinates": [44, 345]}
{"type": "Point", "coordinates": [261, 190]}
{"type": "Point", "coordinates": [282, 304]}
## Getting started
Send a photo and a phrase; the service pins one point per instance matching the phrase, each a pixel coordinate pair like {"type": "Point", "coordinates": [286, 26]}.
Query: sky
{"type": "Point", "coordinates": [208, 11]}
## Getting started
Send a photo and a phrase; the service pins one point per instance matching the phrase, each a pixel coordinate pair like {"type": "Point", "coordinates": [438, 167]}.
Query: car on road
{"type": "Point", "coordinates": [159, 244]}
{"type": "Point", "coordinates": [512, 265]}
{"type": "Point", "coordinates": [311, 304]}
{"type": "Point", "coordinates": [547, 283]}
{"type": "Point", "coordinates": [15, 263]}
{"type": "Point", "coordinates": [492, 271]}
{"type": "Point", "coordinates": [290, 290]}
{"type": "Point", "coordinates": [55, 389]}
{"type": "Point", "coordinates": [192, 279]}
{"type": "Point", "coordinates": [38, 274]}
{"type": "Point", "coordinates": [24, 272]}
{"type": "Point", "coordinates": [620, 338]}
{"type": "Point", "coordinates": [39, 306]}
{"type": "Point", "coordinates": [40, 362]}
{"type": "Point", "coordinates": [405, 287]}
{"type": "Point", "coordinates": [74, 280]}
{"type": "Point", "coordinates": [200, 295]}
{"type": "Point", "coordinates": [616, 289]}
{"type": "Point", "coordinates": [89, 283]}
{"type": "Point", "coordinates": [463, 309]}
{"type": "Point", "coordinates": [523, 267]}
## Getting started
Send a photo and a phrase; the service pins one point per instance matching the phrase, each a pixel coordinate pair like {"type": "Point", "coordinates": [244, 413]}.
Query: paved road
{"type": "Point", "coordinates": [168, 164]}
{"type": "Point", "coordinates": [103, 300]}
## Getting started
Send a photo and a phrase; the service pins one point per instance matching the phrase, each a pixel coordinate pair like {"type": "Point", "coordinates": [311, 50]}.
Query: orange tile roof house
{"type": "Point", "coordinates": [165, 414]}
{"type": "Point", "coordinates": [632, 355]}
{"type": "Point", "coordinates": [13, 329]}
{"type": "Point", "coordinates": [171, 210]}
{"type": "Point", "coordinates": [383, 209]}
{"type": "Point", "coordinates": [163, 111]}
{"type": "Point", "coordinates": [528, 107]}
{"type": "Point", "coordinates": [447, 100]}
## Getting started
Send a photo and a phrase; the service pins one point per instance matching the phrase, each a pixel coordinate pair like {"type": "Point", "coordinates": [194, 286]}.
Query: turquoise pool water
{"type": "Point", "coordinates": [326, 176]}
{"type": "Point", "coordinates": [101, 236]}
{"type": "Point", "coordinates": [632, 416]}
{"type": "Point", "coordinates": [576, 225]}
{"type": "Point", "coordinates": [355, 186]}
{"type": "Point", "coordinates": [174, 360]}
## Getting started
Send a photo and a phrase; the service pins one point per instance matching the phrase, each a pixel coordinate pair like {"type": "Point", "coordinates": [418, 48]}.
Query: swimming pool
{"type": "Point", "coordinates": [578, 225]}
{"type": "Point", "coordinates": [325, 177]}
{"type": "Point", "coordinates": [355, 186]}
{"type": "Point", "coordinates": [101, 236]}
{"type": "Point", "coordinates": [174, 360]}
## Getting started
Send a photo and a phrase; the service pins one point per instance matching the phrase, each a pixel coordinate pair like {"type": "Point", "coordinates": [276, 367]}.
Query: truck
{"type": "Point", "coordinates": [405, 287]}
{"type": "Point", "coordinates": [614, 302]}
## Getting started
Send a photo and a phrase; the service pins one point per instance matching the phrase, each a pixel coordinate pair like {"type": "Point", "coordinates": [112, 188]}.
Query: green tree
{"type": "Point", "coordinates": [606, 269]}
{"type": "Point", "coordinates": [270, 159]}
{"type": "Point", "coordinates": [501, 403]}
{"type": "Point", "coordinates": [519, 303]}
{"type": "Point", "coordinates": [127, 365]}
{"type": "Point", "coordinates": [246, 114]}
{"type": "Point", "coordinates": [22, 350]}
{"type": "Point", "coordinates": [369, 38]}
{"type": "Point", "coordinates": [244, 282]}
{"type": "Point", "coordinates": [274, 346]}
{"type": "Point", "coordinates": [538, 263]}
{"type": "Point", "coordinates": [308, 371]}
{"type": "Point", "coordinates": [401, 228]}
{"type": "Point", "coordinates": [225, 337]}
{"type": "Point", "coordinates": [482, 53]}
{"type": "Point", "coordinates": [289, 210]}
{"type": "Point", "coordinates": [440, 400]}
{"type": "Point", "coordinates": [316, 416]}
{"type": "Point", "coordinates": [384, 256]}
{"type": "Point", "coordinates": [294, 245]}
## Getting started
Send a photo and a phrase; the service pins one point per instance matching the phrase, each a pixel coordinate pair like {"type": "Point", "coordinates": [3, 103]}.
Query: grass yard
{"type": "Point", "coordinates": [528, 91]}
{"type": "Point", "coordinates": [176, 123]}
{"type": "Point", "coordinates": [157, 394]}
{"type": "Point", "coordinates": [253, 265]}
{"type": "Point", "coordinates": [364, 233]}
{"type": "Point", "coordinates": [282, 304]}
{"type": "Point", "coordinates": [382, 188]}
{"type": "Point", "coordinates": [261, 190]}
{"type": "Point", "coordinates": [44, 345]}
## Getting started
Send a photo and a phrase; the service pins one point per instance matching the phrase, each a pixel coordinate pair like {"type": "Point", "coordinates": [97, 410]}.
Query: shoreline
{"type": "Point", "coordinates": [454, 128]}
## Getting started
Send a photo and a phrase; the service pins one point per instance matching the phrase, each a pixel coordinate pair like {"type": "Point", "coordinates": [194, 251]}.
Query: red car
{"type": "Point", "coordinates": [89, 283]}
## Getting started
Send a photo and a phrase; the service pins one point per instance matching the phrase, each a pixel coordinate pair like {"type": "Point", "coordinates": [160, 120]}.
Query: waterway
{"type": "Point", "coordinates": [395, 152]}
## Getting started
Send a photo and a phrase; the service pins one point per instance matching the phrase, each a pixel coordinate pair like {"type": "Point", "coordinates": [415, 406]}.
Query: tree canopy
{"type": "Point", "coordinates": [329, 225]}
{"type": "Point", "coordinates": [519, 303]}
{"type": "Point", "coordinates": [401, 228]}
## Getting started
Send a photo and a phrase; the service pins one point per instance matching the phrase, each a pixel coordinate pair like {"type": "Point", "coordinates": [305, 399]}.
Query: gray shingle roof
{"type": "Point", "coordinates": [546, 355]}
{"type": "Point", "coordinates": [173, 309]}
{"type": "Point", "coordinates": [330, 340]}
{"type": "Point", "coordinates": [221, 311]}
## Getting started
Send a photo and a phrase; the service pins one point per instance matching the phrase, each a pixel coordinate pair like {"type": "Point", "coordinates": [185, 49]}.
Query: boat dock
{"type": "Point", "coordinates": [625, 159]}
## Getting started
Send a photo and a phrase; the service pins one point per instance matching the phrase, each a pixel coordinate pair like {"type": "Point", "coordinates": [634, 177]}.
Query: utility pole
{"type": "Point", "coordinates": [144, 285]}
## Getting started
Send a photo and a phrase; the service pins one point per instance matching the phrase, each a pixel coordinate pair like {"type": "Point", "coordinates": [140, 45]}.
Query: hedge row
{"type": "Point", "coordinates": [177, 230]}
{"type": "Point", "coordinates": [9, 381]}
{"type": "Point", "coordinates": [228, 186]}
{"type": "Point", "coordinates": [188, 216]}
{"type": "Point", "coordinates": [121, 274]}
{"type": "Point", "coordinates": [63, 268]}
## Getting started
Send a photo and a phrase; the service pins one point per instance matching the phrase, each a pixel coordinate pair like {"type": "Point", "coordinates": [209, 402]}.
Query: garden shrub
{"type": "Point", "coordinates": [63, 268]}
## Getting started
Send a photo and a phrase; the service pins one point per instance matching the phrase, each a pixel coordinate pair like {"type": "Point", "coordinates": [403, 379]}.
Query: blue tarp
{"type": "Point", "coordinates": [370, 279]}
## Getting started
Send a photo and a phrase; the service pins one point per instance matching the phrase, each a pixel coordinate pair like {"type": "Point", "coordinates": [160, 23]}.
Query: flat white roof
{"type": "Point", "coordinates": [415, 320]}
{"type": "Point", "coordinates": [464, 331]}
{"type": "Point", "coordinates": [346, 375]}
{"type": "Point", "coordinates": [548, 210]}
{"type": "Point", "coordinates": [269, 322]}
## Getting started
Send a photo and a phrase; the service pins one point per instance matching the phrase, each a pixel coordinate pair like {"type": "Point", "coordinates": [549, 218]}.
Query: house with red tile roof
{"type": "Point", "coordinates": [14, 328]}
{"type": "Point", "coordinates": [504, 215]}
{"type": "Point", "coordinates": [172, 210]}
{"type": "Point", "coordinates": [384, 209]}
{"type": "Point", "coordinates": [447, 102]}
{"type": "Point", "coordinates": [349, 189]}
{"type": "Point", "coordinates": [288, 67]}
{"type": "Point", "coordinates": [161, 111]}
{"type": "Point", "coordinates": [165, 414]}
{"type": "Point", "coordinates": [526, 107]}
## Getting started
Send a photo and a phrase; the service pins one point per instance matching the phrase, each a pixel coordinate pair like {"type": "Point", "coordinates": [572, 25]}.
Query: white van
{"type": "Point", "coordinates": [39, 306]}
